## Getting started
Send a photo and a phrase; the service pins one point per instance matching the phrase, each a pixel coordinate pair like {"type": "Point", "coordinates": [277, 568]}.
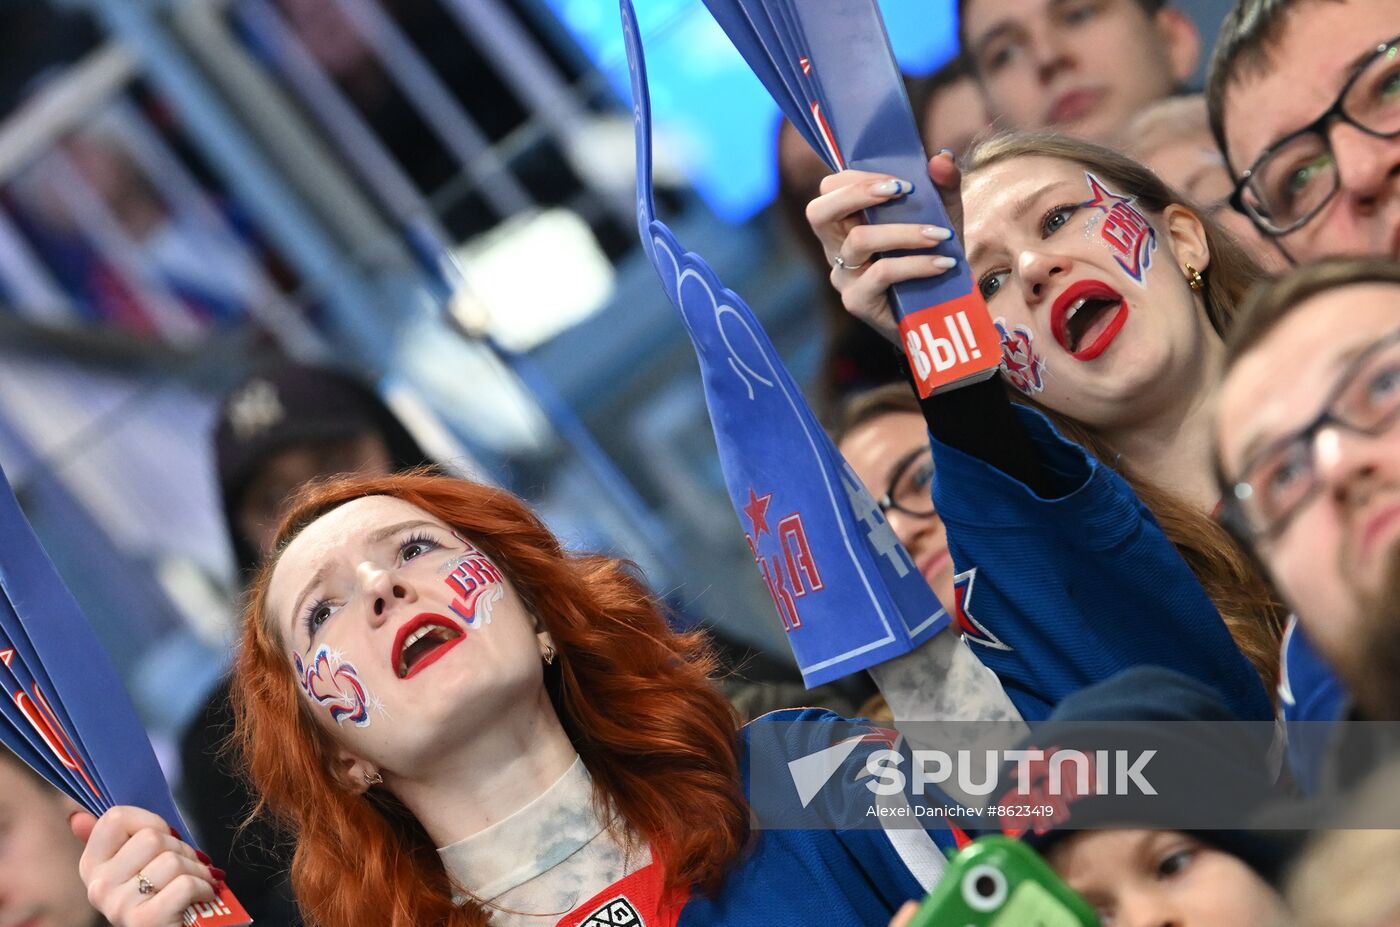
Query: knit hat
{"type": "Point", "coordinates": [1206, 767]}
{"type": "Point", "coordinates": [285, 405]}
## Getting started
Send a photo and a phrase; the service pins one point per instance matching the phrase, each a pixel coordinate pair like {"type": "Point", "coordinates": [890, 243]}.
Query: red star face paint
{"type": "Point", "coordinates": [476, 585]}
{"type": "Point", "coordinates": [335, 685]}
{"type": "Point", "coordinates": [1125, 231]}
{"type": "Point", "coordinates": [1021, 366]}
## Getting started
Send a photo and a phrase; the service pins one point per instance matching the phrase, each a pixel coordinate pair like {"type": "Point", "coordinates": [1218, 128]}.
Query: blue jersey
{"type": "Point", "coordinates": [837, 877]}
{"type": "Point", "coordinates": [1058, 594]}
{"type": "Point", "coordinates": [1311, 699]}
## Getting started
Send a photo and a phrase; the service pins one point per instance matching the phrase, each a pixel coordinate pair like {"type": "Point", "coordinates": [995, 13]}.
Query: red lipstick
{"type": "Point", "coordinates": [1106, 322]}
{"type": "Point", "coordinates": [421, 641]}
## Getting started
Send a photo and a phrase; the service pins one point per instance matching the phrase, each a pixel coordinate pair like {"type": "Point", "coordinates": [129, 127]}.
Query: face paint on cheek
{"type": "Point", "coordinates": [1022, 367]}
{"type": "Point", "coordinates": [476, 585]}
{"type": "Point", "coordinates": [1127, 234]}
{"type": "Point", "coordinates": [331, 682]}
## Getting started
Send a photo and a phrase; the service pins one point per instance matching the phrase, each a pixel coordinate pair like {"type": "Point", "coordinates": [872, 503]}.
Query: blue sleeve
{"type": "Point", "coordinates": [815, 858]}
{"type": "Point", "coordinates": [1058, 593]}
{"type": "Point", "coordinates": [1311, 699]}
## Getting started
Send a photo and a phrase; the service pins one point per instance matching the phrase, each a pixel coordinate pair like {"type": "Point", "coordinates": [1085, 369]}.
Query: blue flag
{"type": "Point", "coordinates": [828, 64]}
{"type": "Point", "coordinates": [847, 593]}
{"type": "Point", "coordinates": [64, 710]}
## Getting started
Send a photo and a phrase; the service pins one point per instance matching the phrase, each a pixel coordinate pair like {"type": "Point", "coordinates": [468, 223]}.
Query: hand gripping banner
{"type": "Point", "coordinates": [829, 66]}
{"type": "Point", "coordinates": [64, 711]}
{"type": "Point", "coordinates": [847, 593]}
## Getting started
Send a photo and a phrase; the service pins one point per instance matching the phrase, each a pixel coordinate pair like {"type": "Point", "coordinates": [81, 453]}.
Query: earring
{"type": "Point", "coordinates": [1194, 278]}
{"type": "Point", "coordinates": [373, 778]}
{"type": "Point", "coordinates": [549, 654]}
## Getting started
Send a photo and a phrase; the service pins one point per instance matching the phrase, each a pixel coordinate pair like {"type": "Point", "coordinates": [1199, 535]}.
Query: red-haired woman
{"type": "Point", "coordinates": [460, 722]}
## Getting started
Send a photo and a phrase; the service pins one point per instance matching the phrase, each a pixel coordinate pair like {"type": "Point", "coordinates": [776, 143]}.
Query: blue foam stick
{"type": "Point", "coordinates": [84, 685]}
{"type": "Point", "coordinates": [847, 593]}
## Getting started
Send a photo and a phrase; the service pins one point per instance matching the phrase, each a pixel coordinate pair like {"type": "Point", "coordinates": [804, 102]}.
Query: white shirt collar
{"type": "Point", "coordinates": [533, 840]}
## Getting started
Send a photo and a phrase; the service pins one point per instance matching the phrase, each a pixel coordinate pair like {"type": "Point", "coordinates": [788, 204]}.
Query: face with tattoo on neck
{"type": "Point", "coordinates": [409, 644]}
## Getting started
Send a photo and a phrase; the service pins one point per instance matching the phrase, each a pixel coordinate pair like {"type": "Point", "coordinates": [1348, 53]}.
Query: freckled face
{"type": "Point", "coordinates": [400, 631]}
{"type": "Point", "coordinates": [1113, 341]}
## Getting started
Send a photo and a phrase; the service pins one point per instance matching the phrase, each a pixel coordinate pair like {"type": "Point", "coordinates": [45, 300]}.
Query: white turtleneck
{"type": "Point", "coordinates": [545, 859]}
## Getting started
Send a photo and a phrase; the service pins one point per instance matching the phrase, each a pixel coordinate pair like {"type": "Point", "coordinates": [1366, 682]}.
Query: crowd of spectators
{"type": "Point", "coordinates": [1182, 507]}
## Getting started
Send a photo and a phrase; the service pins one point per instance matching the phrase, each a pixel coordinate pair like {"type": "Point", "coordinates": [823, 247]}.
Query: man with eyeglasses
{"type": "Point", "coordinates": [1309, 460]}
{"type": "Point", "coordinates": [1304, 100]}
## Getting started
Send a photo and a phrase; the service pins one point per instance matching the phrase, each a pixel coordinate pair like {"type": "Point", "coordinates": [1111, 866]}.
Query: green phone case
{"type": "Point", "coordinates": [1001, 882]}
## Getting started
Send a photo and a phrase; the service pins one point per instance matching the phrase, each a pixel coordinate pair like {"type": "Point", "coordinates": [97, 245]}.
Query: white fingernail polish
{"type": "Point", "coordinates": [937, 233]}
{"type": "Point", "coordinates": [891, 187]}
{"type": "Point", "coordinates": [943, 262]}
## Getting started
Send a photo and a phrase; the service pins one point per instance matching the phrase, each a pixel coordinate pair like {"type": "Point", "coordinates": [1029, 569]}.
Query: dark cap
{"type": "Point", "coordinates": [282, 406]}
{"type": "Point", "coordinates": [1211, 773]}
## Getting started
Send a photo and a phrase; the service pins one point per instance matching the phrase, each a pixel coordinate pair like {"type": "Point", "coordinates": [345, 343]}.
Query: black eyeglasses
{"type": "Point", "coordinates": [1295, 177]}
{"type": "Point", "coordinates": [1282, 478]}
{"type": "Point", "coordinates": [909, 489]}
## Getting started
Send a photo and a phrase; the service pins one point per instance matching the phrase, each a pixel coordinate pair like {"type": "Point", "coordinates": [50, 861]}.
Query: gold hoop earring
{"type": "Point", "coordinates": [549, 654]}
{"type": "Point", "coordinates": [373, 778]}
{"type": "Point", "coordinates": [1194, 279]}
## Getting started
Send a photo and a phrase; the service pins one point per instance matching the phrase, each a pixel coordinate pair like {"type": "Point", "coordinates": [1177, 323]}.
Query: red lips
{"type": "Point", "coordinates": [422, 641]}
{"type": "Point", "coordinates": [1102, 329]}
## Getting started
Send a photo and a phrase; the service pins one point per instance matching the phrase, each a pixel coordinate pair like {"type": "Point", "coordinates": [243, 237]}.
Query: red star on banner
{"type": "Point", "coordinates": [757, 510]}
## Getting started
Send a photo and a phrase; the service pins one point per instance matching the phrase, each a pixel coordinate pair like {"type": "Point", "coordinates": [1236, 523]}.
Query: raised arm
{"type": "Point", "coordinates": [978, 419]}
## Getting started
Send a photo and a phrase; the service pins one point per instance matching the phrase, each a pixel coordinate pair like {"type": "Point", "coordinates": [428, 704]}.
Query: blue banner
{"type": "Point", "coordinates": [829, 66]}
{"type": "Point", "coordinates": [64, 710]}
{"type": "Point", "coordinates": [847, 593]}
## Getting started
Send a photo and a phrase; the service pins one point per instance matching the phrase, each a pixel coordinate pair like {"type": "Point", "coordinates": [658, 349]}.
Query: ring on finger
{"type": "Point", "coordinates": [144, 885]}
{"type": "Point", "coordinates": [841, 264]}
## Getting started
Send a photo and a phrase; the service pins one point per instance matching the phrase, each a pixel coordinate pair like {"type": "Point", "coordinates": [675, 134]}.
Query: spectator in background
{"type": "Point", "coordinates": [278, 430]}
{"type": "Point", "coordinates": [1309, 460]}
{"type": "Point", "coordinates": [950, 109]}
{"type": "Point", "coordinates": [39, 883]}
{"type": "Point", "coordinates": [1125, 853]}
{"type": "Point", "coordinates": [1172, 137]}
{"type": "Point", "coordinates": [1304, 104]}
{"type": "Point", "coordinates": [882, 435]}
{"type": "Point", "coordinates": [1083, 67]}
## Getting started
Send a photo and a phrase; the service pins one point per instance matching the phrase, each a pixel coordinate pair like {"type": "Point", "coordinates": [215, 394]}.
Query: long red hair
{"type": "Point", "coordinates": [635, 697]}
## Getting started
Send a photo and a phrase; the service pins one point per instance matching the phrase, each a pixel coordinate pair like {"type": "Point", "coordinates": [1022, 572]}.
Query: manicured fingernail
{"type": "Point", "coordinates": [936, 232]}
{"type": "Point", "coordinates": [203, 857]}
{"type": "Point", "coordinates": [892, 188]}
{"type": "Point", "coordinates": [942, 262]}
{"type": "Point", "coordinates": [216, 873]}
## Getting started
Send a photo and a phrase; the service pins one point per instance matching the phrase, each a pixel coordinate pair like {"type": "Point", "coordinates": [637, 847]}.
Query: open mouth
{"type": "Point", "coordinates": [422, 641]}
{"type": "Point", "coordinates": [1086, 318]}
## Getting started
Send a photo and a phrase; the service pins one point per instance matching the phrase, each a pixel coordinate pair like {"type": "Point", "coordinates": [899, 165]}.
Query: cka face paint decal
{"type": "Point", "coordinates": [1125, 231]}
{"type": "Point", "coordinates": [1021, 366]}
{"type": "Point", "coordinates": [476, 585]}
{"type": "Point", "coordinates": [335, 684]}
